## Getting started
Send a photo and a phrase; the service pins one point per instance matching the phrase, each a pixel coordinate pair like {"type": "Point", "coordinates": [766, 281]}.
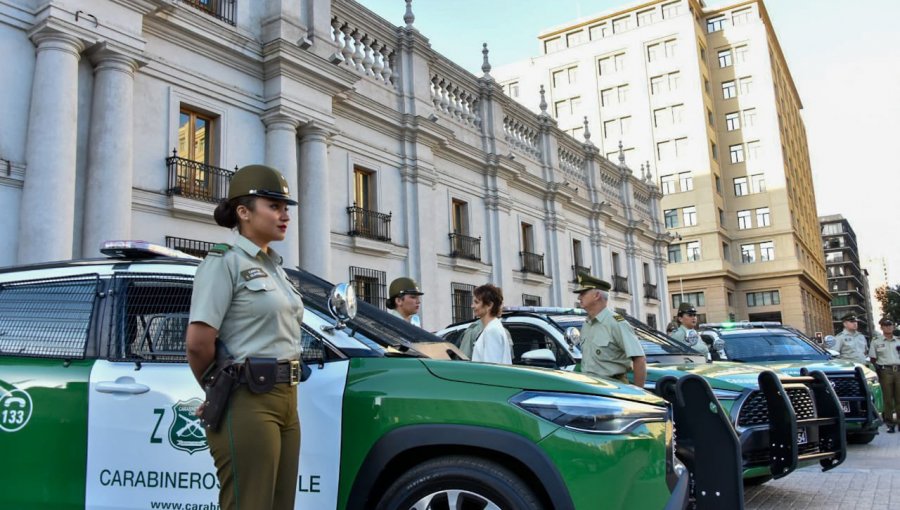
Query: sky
{"type": "Point", "coordinates": [845, 63]}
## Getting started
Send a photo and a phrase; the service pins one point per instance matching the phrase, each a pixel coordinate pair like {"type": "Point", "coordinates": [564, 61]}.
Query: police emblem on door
{"type": "Point", "coordinates": [186, 433]}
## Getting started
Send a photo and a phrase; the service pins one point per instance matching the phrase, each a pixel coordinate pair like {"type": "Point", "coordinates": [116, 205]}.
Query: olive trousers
{"type": "Point", "coordinates": [257, 450]}
{"type": "Point", "coordinates": [890, 390]}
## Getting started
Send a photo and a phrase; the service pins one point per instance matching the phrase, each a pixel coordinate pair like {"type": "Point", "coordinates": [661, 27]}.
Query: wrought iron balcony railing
{"type": "Point", "coordinates": [576, 270]}
{"type": "Point", "coordinates": [465, 247]}
{"type": "Point", "coordinates": [220, 9]}
{"type": "Point", "coordinates": [620, 284]}
{"type": "Point", "coordinates": [188, 178]}
{"type": "Point", "coordinates": [650, 291]}
{"type": "Point", "coordinates": [189, 246]}
{"type": "Point", "coordinates": [532, 262]}
{"type": "Point", "coordinates": [369, 224]}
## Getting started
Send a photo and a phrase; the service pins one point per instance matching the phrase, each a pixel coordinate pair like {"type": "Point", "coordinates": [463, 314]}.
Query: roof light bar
{"type": "Point", "coordinates": [140, 250]}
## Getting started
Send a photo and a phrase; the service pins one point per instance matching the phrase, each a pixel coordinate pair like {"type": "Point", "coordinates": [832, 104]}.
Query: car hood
{"type": "Point", "coordinates": [536, 379]}
{"type": "Point", "coordinates": [723, 375]}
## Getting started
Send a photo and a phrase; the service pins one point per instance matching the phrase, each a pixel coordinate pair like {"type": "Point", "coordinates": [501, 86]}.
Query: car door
{"type": "Point", "coordinates": [45, 328]}
{"type": "Point", "coordinates": [146, 448]}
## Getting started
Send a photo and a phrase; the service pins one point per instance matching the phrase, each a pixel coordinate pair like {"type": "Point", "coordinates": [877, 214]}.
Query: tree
{"type": "Point", "coordinates": [889, 297]}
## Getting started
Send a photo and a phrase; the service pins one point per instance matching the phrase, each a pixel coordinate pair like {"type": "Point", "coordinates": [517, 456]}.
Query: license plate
{"type": "Point", "coordinates": [845, 406]}
{"type": "Point", "coordinates": [801, 436]}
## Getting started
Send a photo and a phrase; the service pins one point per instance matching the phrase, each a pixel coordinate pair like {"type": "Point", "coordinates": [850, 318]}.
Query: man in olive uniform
{"type": "Point", "coordinates": [850, 343]}
{"type": "Point", "coordinates": [609, 346]}
{"type": "Point", "coordinates": [885, 354]}
{"type": "Point", "coordinates": [687, 321]}
{"type": "Point", "coordinates": [403, 299]}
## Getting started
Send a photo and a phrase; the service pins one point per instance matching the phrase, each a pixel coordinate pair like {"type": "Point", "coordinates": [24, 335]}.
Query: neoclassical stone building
{"type": "Point", "coordinates": [123, 119]}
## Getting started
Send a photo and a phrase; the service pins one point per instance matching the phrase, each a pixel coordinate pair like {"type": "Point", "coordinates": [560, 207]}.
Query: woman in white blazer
{"type": "Point", "coordinates": [494, 344]}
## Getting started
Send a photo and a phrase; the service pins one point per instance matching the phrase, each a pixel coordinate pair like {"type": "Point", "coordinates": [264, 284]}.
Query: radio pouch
{"type": "Point", "coordinates": [260, 374]}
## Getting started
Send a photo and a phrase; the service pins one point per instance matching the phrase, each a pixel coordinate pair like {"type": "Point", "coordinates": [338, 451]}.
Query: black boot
{"type": "Point", "coordinates": [891, 429]}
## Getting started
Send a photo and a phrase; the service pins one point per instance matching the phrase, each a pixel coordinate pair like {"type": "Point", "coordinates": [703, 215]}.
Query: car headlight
{"type": "Point", "coordinates": [588, 413]}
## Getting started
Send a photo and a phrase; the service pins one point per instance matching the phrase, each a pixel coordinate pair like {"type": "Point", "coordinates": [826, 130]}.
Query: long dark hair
{"type": "Point", "coordinates": [226, 212]}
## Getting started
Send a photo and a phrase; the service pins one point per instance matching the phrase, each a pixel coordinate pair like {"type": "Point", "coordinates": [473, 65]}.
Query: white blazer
{"type": "Point", "coordinates": [494, 345]}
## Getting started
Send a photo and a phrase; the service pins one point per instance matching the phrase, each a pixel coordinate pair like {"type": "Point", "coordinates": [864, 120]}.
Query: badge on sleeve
{"type": "Point", "coordinates": [253, 273]}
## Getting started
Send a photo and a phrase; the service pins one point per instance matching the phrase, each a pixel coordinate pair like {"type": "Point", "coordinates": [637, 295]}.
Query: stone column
{"type": "Point", "coordinates": [48, 194]}
{"type": "Point", "coordinates": [281, 153]}
{"type": "Point", "coordinates": [314, 209]}
{"type": "Point", "coordinates": [107, 208]}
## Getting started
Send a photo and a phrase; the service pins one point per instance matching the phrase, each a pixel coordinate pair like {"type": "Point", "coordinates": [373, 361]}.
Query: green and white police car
{"type": "Point", "coordinates": [97, 408]}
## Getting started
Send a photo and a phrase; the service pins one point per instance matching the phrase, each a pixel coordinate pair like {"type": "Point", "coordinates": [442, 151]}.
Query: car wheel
{"type": "Point", "coordinates": [758, 480]}
{"type": "Point", "coordinates": [865, 438]}
{"type": "Point", "coordinates": [459, 483]}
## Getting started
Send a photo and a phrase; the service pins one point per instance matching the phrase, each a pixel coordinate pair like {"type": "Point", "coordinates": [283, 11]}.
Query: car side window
{"type": "Point", "coordinates": [528, 338]}
{"type": "Point", "coordinates": [47, 318]}
{"type": "Point", "coordinates": [454, 337]}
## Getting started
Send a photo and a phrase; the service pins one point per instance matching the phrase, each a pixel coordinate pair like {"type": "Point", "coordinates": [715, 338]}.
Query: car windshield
{"type": "Point", "coordinates": [754, 346]}
{"type": "Point", "coordinates": [654, 343]}
{"type": "Point", "coordinates": [379, 330]}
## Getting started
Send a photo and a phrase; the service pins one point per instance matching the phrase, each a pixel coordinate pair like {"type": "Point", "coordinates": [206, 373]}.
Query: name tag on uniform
{"type": "Point", "coordinates": [252, 273]}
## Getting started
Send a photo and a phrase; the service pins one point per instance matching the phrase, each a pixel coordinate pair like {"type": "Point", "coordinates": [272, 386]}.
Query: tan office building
{"type": "Point", "coordinates": [701, 98]}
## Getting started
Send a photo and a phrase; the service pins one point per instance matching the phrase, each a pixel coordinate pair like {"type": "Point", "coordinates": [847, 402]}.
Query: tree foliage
{"type": "Point", "coordinates": [889, 297]}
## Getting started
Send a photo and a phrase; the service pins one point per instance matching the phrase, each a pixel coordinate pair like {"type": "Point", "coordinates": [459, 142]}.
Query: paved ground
{"type": "Point", "coordinates": [869, 479]}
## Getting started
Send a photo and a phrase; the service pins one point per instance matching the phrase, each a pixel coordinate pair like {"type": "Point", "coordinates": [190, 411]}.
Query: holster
{"type": "Point", "coordinates": [260, 374]}
{"type": "Point", "coordinates": [219, 381]}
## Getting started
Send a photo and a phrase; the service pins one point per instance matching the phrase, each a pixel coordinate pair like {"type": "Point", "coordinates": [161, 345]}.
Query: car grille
{"type": "Point", "coordinates": [755, 411]}
{"type": "Point", "coordinates": [846, 387]}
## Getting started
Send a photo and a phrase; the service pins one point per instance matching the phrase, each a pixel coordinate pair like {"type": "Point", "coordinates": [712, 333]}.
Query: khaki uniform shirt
{"type": "Point", "coordinates": [884, 350]}
{"type": "Point", "coordinates": [467, 343]}
{"type": "Point", "coordinates": [852, 347]}
{"type": "Point", "coordinates": [681, 335]}
{"type": "Point", "coordinates": [608, 344]}
{"type": "Point", "coordinates": [246, 295]}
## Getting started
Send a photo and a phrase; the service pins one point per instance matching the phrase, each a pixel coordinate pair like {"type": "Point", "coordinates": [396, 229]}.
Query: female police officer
{"type": "Point", "coordinates": [243, 297]}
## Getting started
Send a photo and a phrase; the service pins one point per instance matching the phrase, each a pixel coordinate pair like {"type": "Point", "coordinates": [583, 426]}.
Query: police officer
{"type": "Point", "coordinates": [850, 343]}
{"type": "Point", "coordinates": [608, 345]}
{"type": "Point", "coordinates": [885, 354]}
{"type": "Point", "coordinates": [243, 296]}
{"type": "Point", "coordinates": [687, 321]}
{"type": "Point", "coordinates": [404, 299]}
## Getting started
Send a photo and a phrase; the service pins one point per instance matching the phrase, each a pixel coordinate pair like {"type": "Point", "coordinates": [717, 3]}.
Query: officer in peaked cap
{"type": "Point", "coordinates": [687, 322]}
{"type": "Point", "coordinates": [608, 345]}
{"type": "Point", "coordinates": [850, 343]}
{"type": "Point", "coordinates": [260, 181]}
{"type": "Point", "coordinates": [404, 299]}
{"type": "Point", "coordinates": [885, 354]}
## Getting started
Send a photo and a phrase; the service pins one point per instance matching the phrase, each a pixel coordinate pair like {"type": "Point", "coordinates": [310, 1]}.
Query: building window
{"type": "Point", "coordinates": [750, 117]}
{"type": "Point", "coordinates": [732, 121]}
{"type": "Point", "coordinates": [527, 237]}
{"type": "Point", "coordinates": [744, 219]}
{"type": "Point", "coordinates": [656, 84]}
{"type": "Point", "coordinates": [513, 89]}
{"type": "Point", "coordinates": [671, 217]}
{"type": "Point", "coordinates": [730, 299]}
{"type": "Point", "coordinates": [647, 17]}
{"type": "Point", "coordinates": [758, 183]}
{"type": "Point", "coordinates": [726, 251]}
{"type": "Point", "coordinates": [674, 80]}
{"type": "Point", "coordinates": [369, 285]}
{"type": "Point", "coordinates": [598, 31]}
{"type": "Point", "coordinates": [671, 10]}
{"type": "Point", "coordinates": [690, 216]}
{"type": "Point", "coordinates": [693, 251]}
{"type": "Point", "coordinates": [620, 25]}
{"type": "Point", "coordinates": [767, 251]}
{"type": "Point", "coordinates": [748, 253]}
{"type": "Point", "coordinates": [674, 253]}
{"type": "Point", "coordinates": [740, 186]}
{"type": "Point", "coordinates": [725, 58]}
{"type": "Point", "coordinates": [742, 54]}
{"type": "Point", "coordinates": [461, 301]}
{"type": "Point", "coordinates": [604, 66]}
{"type": "Point", "coordinates": [671, 47]}
{"type": "Point", "coordinates": [364, 189]}
{"type": "Point", "coordinates": [651, 320]}
{"type": "Point", "coordinates": [653, 52]}
{"type": "Point", "coordinates": [552, 45]}
{"type": "Point", "coordinates": [722, 217]}
{"type": "Point", "coordinates": [753, 150]}
{"type": "Point", "coordinates": [714, 149]}
{"type": "Point", "coordinates": [762, 217]}
{"type": "Point", "coordinates": [619, 62]}
{"type": "Point", "coordinates": [746, 85]}
{"type": "Point", "coordinates": [729, 89]}
{"type": "Point", "coordinates": [718, 185]}
{"type": "Point", "coordinates": [530, 300]}
{"type": "Point", "coordinates": [606, 97]}
{"type": "Point", "coordinates": [574, 38]}
{"type": "Point", "coordinates": [766, 298]}
{"type": "Point", "coordinates": [665, 150]}
{"type": "Point", "coordinates": [686, 181]}
{"type": "Point", "coordinates": [617, 271]}
{"type": "Point", "coordinates": [680, 147]}
{"type": "Point", "coordinates": [460, 219]}
{"type": "Point", "coordinates": [692, 298]}
{"type": "Point", "coordinates": [196, 137]}
{"type": "Point", "coordinates": [736, 153]}
{"type": "Point", "coordinates": [622, 91]}
{"type": "Point", "coordinates": [715, 24]}
{"type": "Point", "coordinates": [741, 17]}
{"type": "Point", "coordinates": [576, 253]}
{"type": "Point", "coordinates": [667, 184]}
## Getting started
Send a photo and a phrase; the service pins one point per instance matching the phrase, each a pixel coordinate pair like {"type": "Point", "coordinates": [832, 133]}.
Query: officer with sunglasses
{"type": "Point", "coordinates": [885, 354]}
{"type": "Point", "coordinates": [687, 322]}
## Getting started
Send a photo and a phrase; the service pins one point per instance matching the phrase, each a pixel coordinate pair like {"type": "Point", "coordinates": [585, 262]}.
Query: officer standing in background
{"type": "Point", "coordinates": [885, 354]}
{"type": "Point", "coordinates": [850, 343]}
{"type": "Point", "coordinates": [687, 321]}
{"type": "Point", "coordinates": [404, 299]}
{"type": "Point", "coordinates": [608, 345]}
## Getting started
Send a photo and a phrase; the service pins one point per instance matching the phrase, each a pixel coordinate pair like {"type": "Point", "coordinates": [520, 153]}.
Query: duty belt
{"type": "Point", "coordinates": [287, 372]}
{"type": "Point", "coordinates": [889, 368]}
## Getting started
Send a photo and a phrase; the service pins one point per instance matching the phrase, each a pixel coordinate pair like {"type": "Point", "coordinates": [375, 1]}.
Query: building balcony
{"type": "Point", "coordinates": [191, 179]}
{"type": "Point", "coordinates": [369, 224]}
{"type": "Point", "coordinates": [223, 10]}
{"type": "Point", "coordinates": [532, 262]}
{"type": "Point", "coordinates": [620, 284]}
{"type": "Point", "coordinates": [463, 246]}
{"type": "Point", "coordinates": [189, 246]}
{"type": "Point", "coordinates": [651, 291]}
{"type": "Point", "coordinates": [578, 269]}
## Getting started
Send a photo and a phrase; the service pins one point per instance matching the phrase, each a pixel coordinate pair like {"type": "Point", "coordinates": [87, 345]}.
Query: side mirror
{"type": "Point", "coordinates": [342, 304]}
{"type": "Point", "coordinates": [573, 336]}
{"type": "Point", "coordinates": [829, 341]}
{"type": "Point", "coordinates": [539, 358]}
{"type": "Point", "coordinates": [692, 337]}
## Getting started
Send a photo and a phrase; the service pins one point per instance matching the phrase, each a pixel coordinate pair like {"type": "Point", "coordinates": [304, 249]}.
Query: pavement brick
{"type": "Point", "coordinates": [869, 479]}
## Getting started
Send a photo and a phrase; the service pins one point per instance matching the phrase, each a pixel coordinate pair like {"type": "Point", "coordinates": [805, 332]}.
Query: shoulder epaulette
{"type": "Point", "coordinates": [219, 249]}
{"type": "Point", "coordinates": [618, 317]}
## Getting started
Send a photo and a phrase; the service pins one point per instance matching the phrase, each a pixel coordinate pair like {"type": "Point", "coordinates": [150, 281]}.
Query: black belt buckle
{"type": "Point", "coordinates": [294, 371]}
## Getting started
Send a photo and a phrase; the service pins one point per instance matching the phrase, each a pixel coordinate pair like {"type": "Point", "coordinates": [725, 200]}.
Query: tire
{"type": "Point", "coordinates": [472, 482]}
{"type": "Point", "coordinates": [864, 438]}
{"type": "Point", "coordinates": [756, 481]}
